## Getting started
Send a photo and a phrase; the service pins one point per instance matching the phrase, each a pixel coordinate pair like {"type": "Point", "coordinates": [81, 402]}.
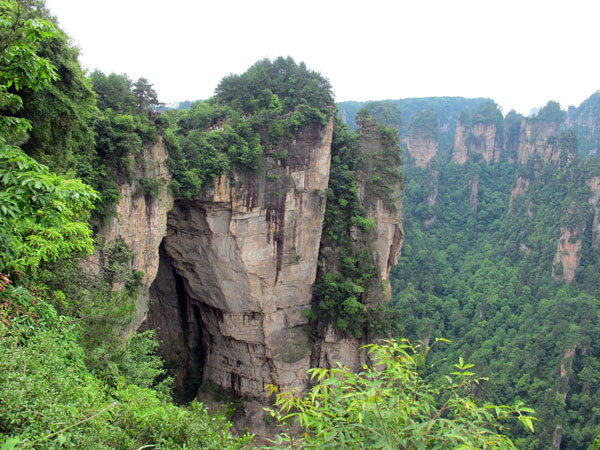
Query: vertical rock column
{"type": "Point", "coordinates": [384, 242]}
{"type": "Point", "coordinates": [245, 255]}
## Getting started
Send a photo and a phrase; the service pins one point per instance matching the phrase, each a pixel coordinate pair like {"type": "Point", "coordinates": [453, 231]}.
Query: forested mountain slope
{"type": "Point", "coordinates": [502, 258]}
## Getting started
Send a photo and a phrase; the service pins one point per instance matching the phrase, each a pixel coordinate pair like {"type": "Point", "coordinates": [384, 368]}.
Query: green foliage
{"type": "Point", "coordinates": [113, 92]}
{"type": "Point", "coordinates": [348, 275]}
{"type": "Point", "coordinates": [512, 127]}
{"type": "Point", "coordinates": [391, 405]}
{"type": "Point", "coordinates": [488, 112]}
{"type": "Point", "coordinates": [483, 278]}
{"type": "Point", "coordinates": [21, 66]}
{"type": "Point", "coordinates": [379, 161]}
{"type": "Point", "coordinates": [62, 112]}
{"type": "Point", "coordinates": [75, 409]}
{"type": "Point", "coordinates": [425, 122]}
{"type": "Point", "coordinates": [145, 95]}
{"type": "Point", "coordinates": [209, 141]}
{"type": "Point", "coordinates": [385, 113]}
{"type": "Point", "coordinates": [292, 84]}
{"type": "Point", "coordinates": [43, 217]}
{"type": "Point", "coordinates": [66, 378]}
{"type": "Point", "coordinates": [252, 116]}
{"type": "Point", "coordinates": [149, 187]}
{"type": "Point", "coordinates": [122, 131]}
{"type": "Point", "coordinates": [551, 113]}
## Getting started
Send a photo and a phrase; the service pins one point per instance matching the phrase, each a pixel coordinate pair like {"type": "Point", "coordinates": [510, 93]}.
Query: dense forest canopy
{"type": "Point", "coordinates": [481, 268]}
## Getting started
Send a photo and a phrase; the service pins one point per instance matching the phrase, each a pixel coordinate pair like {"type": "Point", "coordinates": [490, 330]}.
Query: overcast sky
{"type": "Point", "coordinates": [520, 53]}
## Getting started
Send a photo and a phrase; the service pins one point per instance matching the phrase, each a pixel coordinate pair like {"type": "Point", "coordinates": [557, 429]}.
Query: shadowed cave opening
{"type": "Point", "coordinates": [178, 325]}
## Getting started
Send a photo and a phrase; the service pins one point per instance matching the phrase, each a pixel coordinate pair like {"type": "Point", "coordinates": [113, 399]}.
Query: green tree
{"type": "Point", "coordinates": [386, 113]}
{"type": "Point", "coordinates": [145, 95]}
{"type": "Point", "coordinates": [43, 216]}
{"type": "Point", "coordinates": [20, 66]}
{"type": "Point", "coordinates": [114, 92]}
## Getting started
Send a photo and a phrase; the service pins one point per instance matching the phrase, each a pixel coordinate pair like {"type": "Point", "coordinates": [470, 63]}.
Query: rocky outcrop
{"type": "Point", "coordinates": [433, 179]}
{"type": "Point", "coordinates": [536, 141]}
{"type": "Point", "coordinates": [236, 274]}
{"type": "Point", "coordinates": [520, 189]}
{"type": "Point", "coordinates": [568, 254]}
{"type": "Point", "coordinates": [460, 152]}
{"type": "Point", "coordinates": [594, 184]}
{"type": "Point", "coordinates": [484, 142]}
{"type": "Point", "coordinates": [479, 138]}
{"type": "Point", "coordinates": [384, 242]}
{"type": "Point", "coordinates": [141, 222]}
{"type": "Point", "coordinates": [422, 147]}
{"type": "Point", "coordinates": [385, 210]}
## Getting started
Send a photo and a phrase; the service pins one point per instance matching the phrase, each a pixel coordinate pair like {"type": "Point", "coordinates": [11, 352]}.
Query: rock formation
{"type": "Point", "coordinates": [460, 152]}
{"type": "Point", "coordinates": [568, 250]}
{"type": "Point", "coordinates": [237, 270]}
{"type": "Point", "coordinates": [422, 147]}
{"type": "Point", "coordinates": [594, 184]}
{"type": "Point", "coordinates": [141, 223]}
{"type": "Point", "coordinates": [568, 254]}
{"type": "Point", "coordinates": [535, 141]}
{"type": "Point", "coordinates": [384, 242]}
{"type": "Point", "coordinates": [229, 274]}
{"type": "Point", "coordinates": [519, 189]}
{"type": "Point", "coordinates": [479, 138]}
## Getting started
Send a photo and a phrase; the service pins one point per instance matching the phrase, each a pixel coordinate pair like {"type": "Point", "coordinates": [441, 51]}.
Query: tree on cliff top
{"type": "Point", "coordinates": [294, 85]}
{"type": "Point", "coordinates": [386, 113]}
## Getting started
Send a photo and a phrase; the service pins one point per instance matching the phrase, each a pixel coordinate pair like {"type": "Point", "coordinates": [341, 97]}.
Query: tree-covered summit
{"type": "Point", "coordinates": [293, 84]}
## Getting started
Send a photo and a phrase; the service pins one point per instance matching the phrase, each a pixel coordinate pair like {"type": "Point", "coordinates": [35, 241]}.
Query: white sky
{"type": "Point", "coordinates": [520, 53]}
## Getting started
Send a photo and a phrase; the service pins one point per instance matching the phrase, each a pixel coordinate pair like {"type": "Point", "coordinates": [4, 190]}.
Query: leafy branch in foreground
{"type": "Point", "coordinates": [389, 405]}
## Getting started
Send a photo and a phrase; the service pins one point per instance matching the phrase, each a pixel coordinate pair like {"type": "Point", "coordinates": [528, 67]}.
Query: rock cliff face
{"type": "Point", "coordinates": [594, 184]}
{"type": "Point", "coordinates": [460, 152]}
{"type": "Point", "coordinates": [484, 142]}
{"type": "Point", "coordinates": [237, 269]}
{"type": "Point", "coordinates": [568, 254]}
{"type": "Point", "coordinates": [568, 250]}
{"type": "Point", "coordinates": [422, 147]}
{"type": "Point", "coordinates": [141, 223]}
{"type": "Point", "coordinates": [385, 243]}
{"type": "Point", "coordinates": [481, 138]}
{"type": "Point", "coordinates": [519, 189]}
{"type": "Point", "coordinates": [228, 275]}
{"type": "Point", "coordinates": [535, 141]}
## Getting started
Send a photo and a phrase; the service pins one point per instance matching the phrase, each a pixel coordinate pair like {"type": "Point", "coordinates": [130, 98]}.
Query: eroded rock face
{"type": "Point", "coordinates": [237, 272]}
{"type": "Point", "coordinates": [422, 148]}
{"type": "Point", "coordinates": [141, 222]}
{"type": "Point", "coordinates": [534, 142]}
{"type": "Point", "coordinates": [460, 152]}
{"type": "Point", "coordinates": [568, 254]}
{"type": "Point", "coordinates": [385, 243]}
{"type": "Point", "coordinates": [484, 142]}
{"type": "Point", "coordinates": [481, 138]}
{"type": "Point", "coordinates": [520, 189]}
{"type": "Point", "coordinates": [594, 184]}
